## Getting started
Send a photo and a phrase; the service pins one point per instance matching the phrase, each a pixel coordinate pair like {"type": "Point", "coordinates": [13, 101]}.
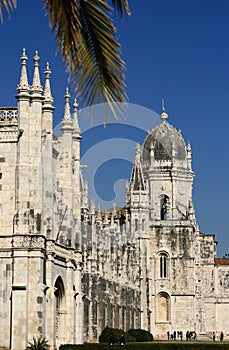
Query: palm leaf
{"type": "Point", "coordinates": [7, 5]}
{"type": "Point", "coordinates": [87, 39]}
{"type": "Point", "coordinates": [121, 6]}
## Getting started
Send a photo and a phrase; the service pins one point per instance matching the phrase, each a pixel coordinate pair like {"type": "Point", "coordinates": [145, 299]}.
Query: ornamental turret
{"type": "Point", "coordinates": [47, 153]}
{"type": "Point", "coordinates": [76, 174]}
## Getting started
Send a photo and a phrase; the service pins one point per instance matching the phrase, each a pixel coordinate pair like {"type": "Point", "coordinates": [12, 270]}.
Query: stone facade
{"type": "Point", "coordinates": [40, 257]}
{"type": "Point", "coordinates": [67, 270]}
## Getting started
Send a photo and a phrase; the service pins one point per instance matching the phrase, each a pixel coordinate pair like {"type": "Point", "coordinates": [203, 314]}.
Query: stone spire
{"type": "Point", "coordinates": [75, 117]}
{"type": "Point", "coordinates": [138, 154]}
{"type": "Point", "coordinates": [36, 86]}
{"type": "Point", "coordinates": [23, 84]}
{"type": "Point", "coordinates": [47, 90]}
{"type": "Point", "coordinates": [67, 113]}
{"type": "Point", "coordinates": [67, 123]}
{"type": "Point", "coordinates": [137, 180]}
{"type": "Point", "coordinates": [99, 215]}
{"type": "Point", "coordinates": [92, 206]}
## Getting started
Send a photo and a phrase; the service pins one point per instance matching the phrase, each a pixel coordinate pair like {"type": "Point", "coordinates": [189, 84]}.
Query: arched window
{"type": "Point", "coordinates": [60, 311]}
{"type": "Point", "coordinates": [163, 265]}
{"type": "Point", "coordinates": [164, 207]}
{"type": "Point", "coordinates": [163, 307]}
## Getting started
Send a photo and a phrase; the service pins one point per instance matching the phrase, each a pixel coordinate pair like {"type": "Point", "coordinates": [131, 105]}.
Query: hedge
{"type": "Point", "coordinates": [132, 335]}
{"type": "Point", "coordinates": [154, 345]}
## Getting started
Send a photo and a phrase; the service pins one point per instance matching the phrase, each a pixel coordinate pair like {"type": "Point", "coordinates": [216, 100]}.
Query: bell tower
{"type": "Point", "coordinates": [167, 169]}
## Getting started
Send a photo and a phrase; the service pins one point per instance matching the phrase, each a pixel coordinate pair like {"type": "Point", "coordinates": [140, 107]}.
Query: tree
{"type": "Point", "coordinates": [86, 37]}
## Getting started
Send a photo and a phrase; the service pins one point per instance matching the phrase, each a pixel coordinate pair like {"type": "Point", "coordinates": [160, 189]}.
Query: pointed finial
{"type": "Point", "coordinates": [138, 153]}
{"type": "Point", "coordinates": [36, 59]}
{"type": "Point", "coordinates": [105, 220]}
{"type": "Point", "coordinates": [75, 105]}
{"type": "Point", "coordinates": [99, 217]}
{"type": "Point", "coordinates": [23, 84]}
{"type": "Point", "coordinates": [67, 114]}
{"type": "Point", "coordinates": [47, 91]}
{"type": "Point", "coordinates": [75, 116]}
{"type": "Point", "coordinates": [114, 208]}
{"type": "Point", "coordinates": [92, 206]}
{"type": "Point", "coordinates": [164, 115]}
{"type": "Point", "coordinates": [36, 86]}
{"type": "Point", "coordinates": [163, 104]}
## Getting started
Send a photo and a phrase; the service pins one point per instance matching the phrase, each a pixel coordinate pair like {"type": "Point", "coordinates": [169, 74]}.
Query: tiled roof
{"type": "Point", "coordinates": [221, 261]}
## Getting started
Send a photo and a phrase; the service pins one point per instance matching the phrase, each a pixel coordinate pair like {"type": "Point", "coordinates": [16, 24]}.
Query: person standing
{"type": "Point", "coordinates": [122, 339]}
{"type": "Point", "coordinates": [221, 336]}
{"type": "Point", "coordinates": [112, 339]}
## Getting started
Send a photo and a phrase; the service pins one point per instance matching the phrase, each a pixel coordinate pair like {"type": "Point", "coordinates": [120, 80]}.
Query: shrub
{"type": "Point", "coordinates": [106, 334]}
{"type": "Point", "coordinates": [140, 335]}
{"type": "Point", "coordinates": [133, 335]}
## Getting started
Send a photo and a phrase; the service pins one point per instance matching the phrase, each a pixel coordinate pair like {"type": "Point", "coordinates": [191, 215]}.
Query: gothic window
{"type": "Point", "coordinates": [160, 152]}
{"type": "Point", "coordinates": [60, 311]}
{"type": "Point", "coordinates": [163, 307]}
{"type": "Point", "coordinates": [164, 206]}
{"type": "Point", "coordinates": [163, 265]}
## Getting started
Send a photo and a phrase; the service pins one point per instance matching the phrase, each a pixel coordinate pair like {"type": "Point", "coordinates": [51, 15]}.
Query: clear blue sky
{"type": "Point", "coordinates": [176, 49]}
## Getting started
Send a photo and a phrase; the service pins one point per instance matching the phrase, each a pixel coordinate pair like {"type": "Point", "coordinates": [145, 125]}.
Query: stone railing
{"type": "Point", "coordinates": [8, 115]}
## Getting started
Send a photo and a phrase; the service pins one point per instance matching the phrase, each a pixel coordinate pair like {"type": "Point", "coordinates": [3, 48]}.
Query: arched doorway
{"type": "Point", "coordinates": [60, 312]}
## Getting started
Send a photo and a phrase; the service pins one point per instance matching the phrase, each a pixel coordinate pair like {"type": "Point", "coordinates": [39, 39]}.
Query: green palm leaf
{"type": "Point", "coordinates": [87, 40]}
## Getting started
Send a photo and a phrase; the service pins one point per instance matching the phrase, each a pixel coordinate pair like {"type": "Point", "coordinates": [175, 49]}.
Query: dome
{"type": "Point", "coordinates": [165, 140]}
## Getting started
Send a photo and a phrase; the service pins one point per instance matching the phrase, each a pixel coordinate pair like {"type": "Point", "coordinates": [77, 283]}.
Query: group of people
{"type": "Point", "coordinates": [175, 335]}
{"type": "Point", "coordinates": [179, 335]}
{"type": "Point", "coordinates": [121, 341]}
{"type": "Point", "coordinates": [221, 336]}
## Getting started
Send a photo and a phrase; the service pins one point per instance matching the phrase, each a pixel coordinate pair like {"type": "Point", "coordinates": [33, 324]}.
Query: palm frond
{"type": "Point", "coordinates": [87, 39]}
{"type": "Point", "coordinates": [121, 6]}
{"type": "Point", "coordinates": [7, 5]}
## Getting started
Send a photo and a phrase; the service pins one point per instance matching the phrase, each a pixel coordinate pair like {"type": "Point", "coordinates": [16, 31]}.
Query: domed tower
{"type": "Point", "coordinates": [167, 170]}
{"type": "Point", "coordinates": [167, 245]}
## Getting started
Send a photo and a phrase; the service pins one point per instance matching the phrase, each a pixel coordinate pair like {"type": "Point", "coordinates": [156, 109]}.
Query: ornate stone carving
{"type": "Point", "coordinates": [65, 252]}
{"type": "Point", "coordinates": [30, 241]}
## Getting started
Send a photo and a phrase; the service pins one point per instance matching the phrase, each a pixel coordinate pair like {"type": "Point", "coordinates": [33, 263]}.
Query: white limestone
{"type": "Point", "coordinates": [67, 270]}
